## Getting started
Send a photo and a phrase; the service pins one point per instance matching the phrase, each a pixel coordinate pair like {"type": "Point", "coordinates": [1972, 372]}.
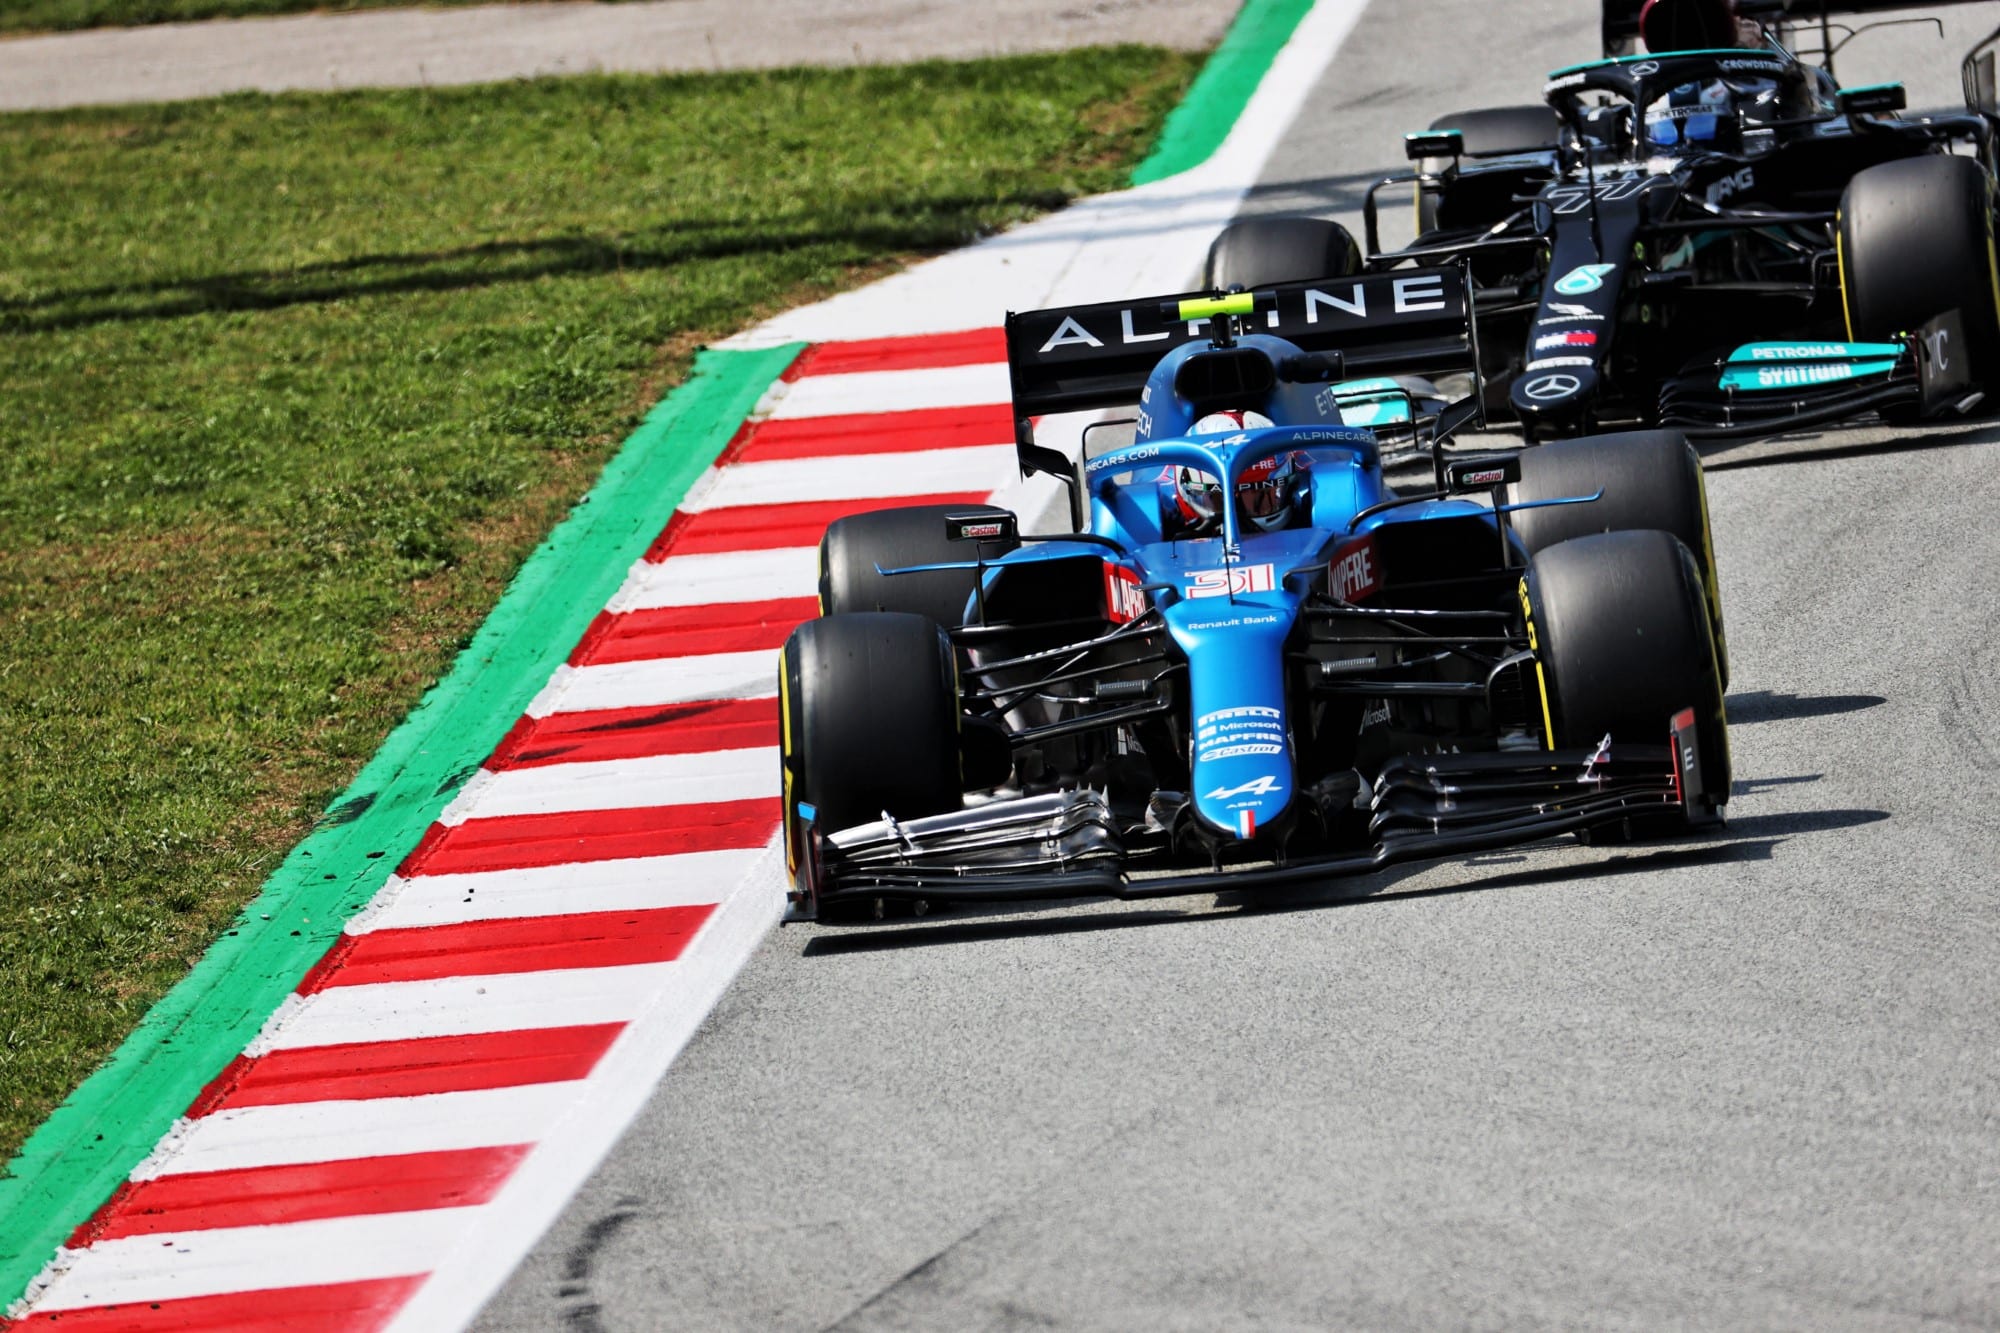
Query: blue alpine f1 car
{"type": "Point", "coordinates": [1251, 661]}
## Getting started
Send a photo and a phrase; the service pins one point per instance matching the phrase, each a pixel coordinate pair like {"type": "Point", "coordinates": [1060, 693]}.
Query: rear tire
{"type": "Point", "coordinates": [1916, 240]}
{"type": "Point", "coordinates": [1529, 128]}
{"type": "Point", "coordinates": [870, 719]}
{"type": "Point", "coordinates": [897, 539]}
{"type": "Point", "coordinates": [1623, 643]}
{"type": "Point", "coordinates": [1490, 129]}
{"type": "Point", "coordinates": [1258, 252]}
{"type": "Point", "coordinates": [1650, 479]}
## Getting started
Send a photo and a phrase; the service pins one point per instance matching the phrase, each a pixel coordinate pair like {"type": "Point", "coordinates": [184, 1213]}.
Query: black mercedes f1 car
{"type": "Point", "coordinates": [1724, 241]}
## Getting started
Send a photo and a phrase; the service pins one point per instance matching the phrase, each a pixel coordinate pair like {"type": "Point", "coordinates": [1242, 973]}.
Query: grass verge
{"type": "Point", "coordinates": [292, 384]}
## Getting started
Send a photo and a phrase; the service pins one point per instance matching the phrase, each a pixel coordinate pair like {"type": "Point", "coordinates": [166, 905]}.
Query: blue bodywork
{"type": "Point", "coordinates": [1231, 599]}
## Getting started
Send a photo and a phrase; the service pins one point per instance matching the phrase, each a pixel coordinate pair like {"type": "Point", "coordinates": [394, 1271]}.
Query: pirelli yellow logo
{"type": "Point", "coordinates": [1541, 677]}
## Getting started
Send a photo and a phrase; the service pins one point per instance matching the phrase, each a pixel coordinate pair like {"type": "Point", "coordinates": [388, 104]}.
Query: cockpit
{"type": "Point", "coordinates": [1689, 101]}
{"type": "Point", "coordinates": [1709, 114]}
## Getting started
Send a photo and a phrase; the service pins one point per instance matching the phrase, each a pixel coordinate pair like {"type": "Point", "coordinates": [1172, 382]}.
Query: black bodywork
{"type": "Point", "coordinates": [1615, 274]}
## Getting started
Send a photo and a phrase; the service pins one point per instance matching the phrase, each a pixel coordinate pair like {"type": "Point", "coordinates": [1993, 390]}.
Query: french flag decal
{"type": "Point", "coordinates": [1246, 824]}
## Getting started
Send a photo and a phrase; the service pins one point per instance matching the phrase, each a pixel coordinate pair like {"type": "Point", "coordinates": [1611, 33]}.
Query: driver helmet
{"type": "Point", "coordinates": [1694, 113]}
{"type": "Point", "coordinates": [1694, 25]}
{"type": "Point", "coordinates": [1264, 490]}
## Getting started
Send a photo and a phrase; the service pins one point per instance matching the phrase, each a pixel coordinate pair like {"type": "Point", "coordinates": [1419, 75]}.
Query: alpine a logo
{"type": "Point", "coordinates": [1263, 786]}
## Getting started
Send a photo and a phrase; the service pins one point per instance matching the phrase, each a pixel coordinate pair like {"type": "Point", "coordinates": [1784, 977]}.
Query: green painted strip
{"type": "Point", "coordinates": [82, 1152]}
{"type": "Point", "coordinates": [1197, 127]}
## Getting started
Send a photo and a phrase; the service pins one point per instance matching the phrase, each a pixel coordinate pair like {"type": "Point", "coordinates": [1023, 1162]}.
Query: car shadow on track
{"type": "Point", "coordinates": [1751, 838]}
{"type": "Point", "coordinates": [1319, 195]}
{"type": "Point", "coordinates": [1862, 442]}
{"type": "Point", "coordinates": [1768, 706]}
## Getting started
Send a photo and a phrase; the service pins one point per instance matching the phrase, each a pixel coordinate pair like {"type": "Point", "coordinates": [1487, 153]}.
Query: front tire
{"type": "Point", "coordinates": [1650, 479]}
{"type": "Point", "coordinates": [871, 717]}
{"type": "Point", "coordinates": [1916, 241]}
{"type": "Point", "coordinates": [1623, 643]}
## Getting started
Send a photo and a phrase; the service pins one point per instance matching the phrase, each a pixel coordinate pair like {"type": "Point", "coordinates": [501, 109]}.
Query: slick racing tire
{"type": "Point", "coordinates": [1650, 479]}
{"type": "Point", "coordinates": [1490, 129]}
{"type": "Point", "coordinates": [1622, 640]}
{"type": "Point", "coordinates": [856, 548]}
{"type": "Point", "coordinates": [1257, 252]}
{"type": "Point", "coordinates": [870, 719]}
{"type": "Point", "coordinates": [1916, 241]}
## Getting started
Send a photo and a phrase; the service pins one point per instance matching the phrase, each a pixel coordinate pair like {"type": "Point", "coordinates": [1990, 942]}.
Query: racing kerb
{"type": "Point", "coordinates": [382, 1149]}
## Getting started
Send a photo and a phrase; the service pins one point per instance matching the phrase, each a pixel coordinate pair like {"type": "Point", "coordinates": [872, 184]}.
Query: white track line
{"type": "Point", "coordinates": [632, 884]}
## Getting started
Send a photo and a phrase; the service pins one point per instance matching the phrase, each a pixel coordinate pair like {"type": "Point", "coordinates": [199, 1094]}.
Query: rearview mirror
{"type": "Point", "coordinates": [1875, 100]}
{"type": "Point", "coordinates": [1434, 143]}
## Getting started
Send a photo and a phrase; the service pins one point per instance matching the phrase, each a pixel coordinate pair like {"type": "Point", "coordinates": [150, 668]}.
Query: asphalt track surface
{"type": "Point", "coordinates": [1744, 1081]}
{"type": "Point", "coordinates": [418, 46]}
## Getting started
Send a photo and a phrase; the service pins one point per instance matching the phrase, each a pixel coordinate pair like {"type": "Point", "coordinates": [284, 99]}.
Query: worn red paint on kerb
{"type": "Point", "coordinates": [631, 733]}
{"type": "Point", "coordinates": [302, 1192]}
{"type": "Point", "coordinates": [773, 527]}
{"type": "Point", "coordinates": [520, 842]}
{"type": "Point", "coordinates": [336, 1307]}
{"type": "Point", "coordinates": [493, 948]}
{"type": "Point", "coordinates": [691, 631]}
{"type": "Point", "coordinates": [413, 1067]}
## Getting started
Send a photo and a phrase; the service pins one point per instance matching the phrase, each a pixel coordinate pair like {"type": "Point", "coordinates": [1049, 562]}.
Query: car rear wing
{"type": "Point", "coordinates": [1621, 17]}
{"type": "Point", "coordinates": [1415, 321]}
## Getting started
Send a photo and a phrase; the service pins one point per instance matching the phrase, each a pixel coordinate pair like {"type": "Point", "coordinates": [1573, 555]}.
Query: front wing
{"type": "Point", "coordinates": [1422, 807]}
